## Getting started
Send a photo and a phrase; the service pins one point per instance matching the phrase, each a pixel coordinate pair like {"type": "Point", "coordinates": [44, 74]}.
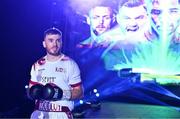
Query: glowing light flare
{"type": "Point", "coordinates": [163, 79]}
{"type": "Point", "coordinates": [146, 59]}
{"type": "Point", "coordinates": [26, 86]}
{"type": "Point", "coordinates": [81, 101]}
{"type": "Point", "coordinates": [95, 90]}
{"type": "Point", "coordinates": [97, 94]}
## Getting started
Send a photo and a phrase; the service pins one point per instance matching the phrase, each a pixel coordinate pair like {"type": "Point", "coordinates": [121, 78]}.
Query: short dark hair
{"type": "Point", "coordinates": [107, 3]}
{"type": "Point", "coordinates": [112, 4]}
{"type": "Point", "coordinates": [111, 10]}
{"type": "Point", "coordinates": [130, 3]}
{"type": "Point", "coordinates": [52, 30]}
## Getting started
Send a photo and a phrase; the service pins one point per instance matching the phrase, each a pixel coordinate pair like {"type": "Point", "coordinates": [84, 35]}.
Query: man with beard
{"type": "Point", "coordinates": [133, 29]}
{"type": "Point", "coordinates": [133, 21]}
{"type": "Point", "coordinates": [100, 19]}
{"type": "Point", "coordinates": [133, 24]}
{"type": "Point", "coordinates": [165, 15]}
{"type": "Point", "coordinates": [55, 80]}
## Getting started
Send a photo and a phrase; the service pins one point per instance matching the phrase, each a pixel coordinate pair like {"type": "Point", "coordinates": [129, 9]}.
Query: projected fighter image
{"type": "Point", "coordinates": [101, 19]}
{"type": "Point", "coordinates": [141, 47]}
{"type": "Point", "coordinates": [96, 59]}
{"type": "Point", "coordinates": [144, 38]}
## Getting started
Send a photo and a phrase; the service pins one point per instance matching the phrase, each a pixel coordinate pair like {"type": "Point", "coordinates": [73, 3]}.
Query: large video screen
{"type": "Point", "coordinates": [143, 35]}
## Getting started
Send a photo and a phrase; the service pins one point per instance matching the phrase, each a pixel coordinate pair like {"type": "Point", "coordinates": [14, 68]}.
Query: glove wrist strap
{"type": "Point", "coordinates": [66, 95]}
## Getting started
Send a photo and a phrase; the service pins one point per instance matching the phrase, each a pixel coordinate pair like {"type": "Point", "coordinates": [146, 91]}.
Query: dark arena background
{"type": "Point", "coordinates": [123, 76]}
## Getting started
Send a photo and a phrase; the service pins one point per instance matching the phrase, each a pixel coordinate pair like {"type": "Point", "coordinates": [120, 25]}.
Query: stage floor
{"type": "Point", "coordinates": [117, 110]}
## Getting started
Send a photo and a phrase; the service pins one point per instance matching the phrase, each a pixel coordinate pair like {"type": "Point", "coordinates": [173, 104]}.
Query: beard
{"type": "Point", "coordinates": [53, 52]}
{"type": "Point", "coordinates": [100, 29]}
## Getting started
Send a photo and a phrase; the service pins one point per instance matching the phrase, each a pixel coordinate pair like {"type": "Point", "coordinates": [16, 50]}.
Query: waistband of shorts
{"type": "Point", "coordinates": [50, 107]}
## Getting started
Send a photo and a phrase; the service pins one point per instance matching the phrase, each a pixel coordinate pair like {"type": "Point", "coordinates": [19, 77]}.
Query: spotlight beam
{"type": "Point", "coordinates": [144, 75]}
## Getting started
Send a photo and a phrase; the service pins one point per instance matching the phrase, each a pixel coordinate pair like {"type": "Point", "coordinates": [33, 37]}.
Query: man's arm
{"type": "Point", "coordinates": [77, 92]}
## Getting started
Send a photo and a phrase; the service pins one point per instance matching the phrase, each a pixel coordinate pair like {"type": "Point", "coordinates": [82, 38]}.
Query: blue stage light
{"type": "Point", "coordinates": [26, 86]}
{"type": "Point", "coordinates": [81, 101]}
{"type": "Point", "coordinates": [95, 90]}
{"type": "Point", "coordinates": [97, 95]}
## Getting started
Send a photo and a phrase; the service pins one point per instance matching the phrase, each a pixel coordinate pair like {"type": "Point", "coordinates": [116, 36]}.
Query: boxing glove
{"type": "Point", "coordinates": [35, 92]}
{"type": "Point", "coordinates": [52, 92]}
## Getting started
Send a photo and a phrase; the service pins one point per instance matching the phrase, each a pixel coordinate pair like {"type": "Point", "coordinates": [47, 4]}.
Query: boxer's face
{"type": "Point", "coordinates": [166, 12]}
{"type": "Point", "coordinates": [132, 19]}
{"type": "Point", "coordinates": [100, 19]}
{"type": "Point", "coordinates": [53, 44]}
